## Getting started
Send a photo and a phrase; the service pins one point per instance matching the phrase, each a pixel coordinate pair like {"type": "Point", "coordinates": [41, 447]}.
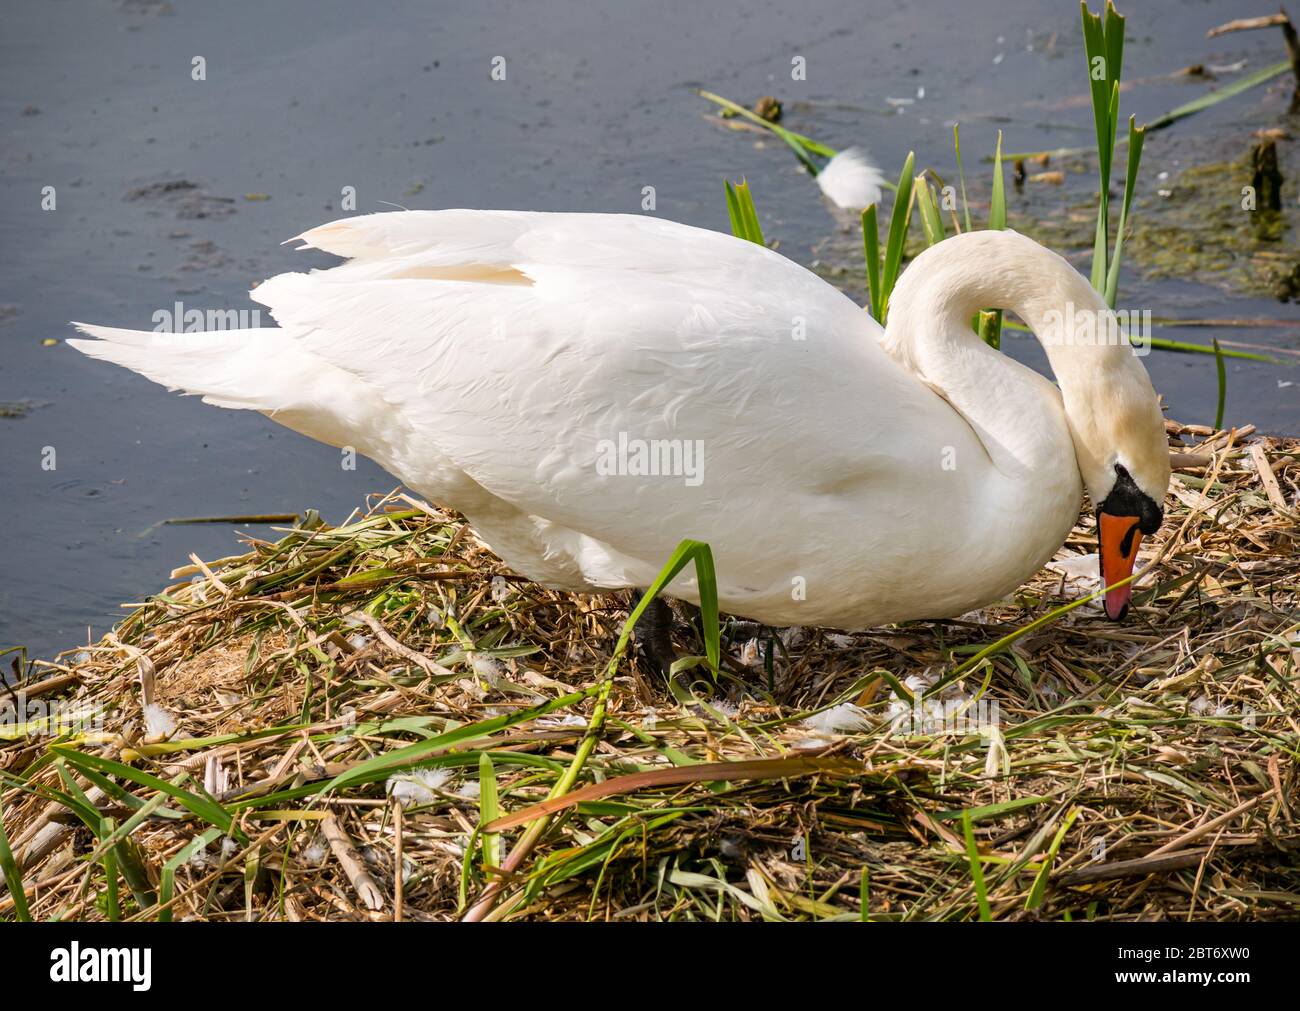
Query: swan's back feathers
{"type": "Point", "coordinates": [458, 236]}
{"type": "Point", "coordinates": [515, 239]}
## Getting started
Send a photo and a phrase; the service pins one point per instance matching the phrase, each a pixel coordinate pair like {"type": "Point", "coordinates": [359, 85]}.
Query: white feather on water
{"type": "Point", "coordinates": [850, 181]}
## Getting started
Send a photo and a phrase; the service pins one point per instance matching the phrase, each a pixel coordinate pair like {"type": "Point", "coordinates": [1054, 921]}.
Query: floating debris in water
{"type": "Point", "coordinates": [768, 108]}
{"type": "Point", "coordinates": [18, 408]}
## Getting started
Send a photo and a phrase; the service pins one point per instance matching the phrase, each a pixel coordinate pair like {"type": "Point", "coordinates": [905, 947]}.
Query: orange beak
{"type": "Point", "coordinates": [1119, 537]}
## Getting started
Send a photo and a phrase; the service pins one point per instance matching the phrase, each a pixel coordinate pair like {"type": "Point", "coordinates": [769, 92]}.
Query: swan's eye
{"type": "Point", "coordinates": [1127, 499]}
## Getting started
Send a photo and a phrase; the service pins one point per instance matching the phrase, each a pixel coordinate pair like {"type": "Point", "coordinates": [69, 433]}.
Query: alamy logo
{"type": "Point", "coordinates": [178, 319]}
{"type": "Point", "coordinates": [103, 965]}
{"type": "Point", "coordinates": [26, 717]}
{"type": "Point", "coordinates": [1098, 327]}
{"type": "Point", "coordinates": [627, 457]}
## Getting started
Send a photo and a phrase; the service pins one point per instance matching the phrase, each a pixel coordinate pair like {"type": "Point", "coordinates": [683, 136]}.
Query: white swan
{"type": "Point", "coordinates": [523, 367]}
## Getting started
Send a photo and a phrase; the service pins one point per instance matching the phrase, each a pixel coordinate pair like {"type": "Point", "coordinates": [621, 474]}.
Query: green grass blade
{"type": "Point", "coordinates": [989, 323]}
{"type": "Point", "coordinates": [82, 808]}
{"type": "Point", "coordinates": [803, 147]}
{"type": "Point", "coordinates": [1223, 385]}
{"type": "Point", "coordinates": [1039, 889]}
{"type": "Point", "coordinates": [489, 809]}
{"type": "Point", "coordinates": [707, 584]}
{"type": "Point", "coordinates": [1206, 101]}
{"type": "Point", "coordinates": [119, 854]}
{"type": "Point", "coordinates": [734, 213]}
{"type": "Point", "coordinates": [976, 868]}
{"type": "Point", "coordinates": [1164, 344]}
{"type": "Point", "coordinates": [961, 176]}
{"type": "Point", "coordinates": [1211, 98]}
{"type": "Point", "coordinates": [742, 213]}
{"type": "Point", "coordinates": [1182, 347]}
{"type": "Point", "coordinates": [871, 250]}
{"type": "Point", "coordinates": [373, 768]}
{"type": "Point", "coordinates": [755, 232]}
{"type": "Point", "coordinates": [13, 876]}
{"type": "Point", "coordinates": [202, 807]}
{"type": "Point", "coordinates": [998, 198]}
{"type": "Point", "coordinates": [167, 880]}
{"type": "Point", "coordinates": [87, 814]}
{"type": "Point", "coordinates": [1114, 32]}
{"type": "Point", "coordinates": [990, 327]}
{"type": "Point", "coordinates": [112, 906]}
{"type": "Point", "coordinates": [899, 218]}
{"type": "Point", "coordinates": [1100, 78]}
{"type": "Point", "coordinates": [1104, 88]}
{"type": "Point", "coordinates": [987, 811]}
{"type": "Point", "coordinates": [1136, 135]}
{"type": "Point", "coordinates": [978, 658]}
{"type": "Point", "coordinates": [131, 864]}
{"type": "Point", "coordinates": [1100, 243]}
{"type": "Point", "coordinates": [113, 790]}
{"type": "Point", "coordinates": [931, 223]}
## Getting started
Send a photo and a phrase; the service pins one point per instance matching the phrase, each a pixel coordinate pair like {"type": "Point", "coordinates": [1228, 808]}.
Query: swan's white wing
{"type": "Point", "coordinates": [521, 346]}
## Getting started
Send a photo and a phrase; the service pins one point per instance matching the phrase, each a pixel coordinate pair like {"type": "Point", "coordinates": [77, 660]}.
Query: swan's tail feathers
{"type": "Point", "coordinates": [247, 369]}
{"type": "Point", "coordinates": [260, 369]}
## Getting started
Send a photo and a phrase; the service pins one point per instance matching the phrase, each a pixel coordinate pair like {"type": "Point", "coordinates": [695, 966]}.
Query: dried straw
{"type": "Point", "coordinates": [334, 694]}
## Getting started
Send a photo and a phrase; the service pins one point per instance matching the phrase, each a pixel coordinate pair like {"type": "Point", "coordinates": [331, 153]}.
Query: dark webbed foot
{"type": "Point", "coordinates": [654, 635]}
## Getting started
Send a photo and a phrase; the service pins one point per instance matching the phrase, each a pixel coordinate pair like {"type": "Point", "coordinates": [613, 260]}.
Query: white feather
{"type": "Point", "coordinates": [158, 721]}
{"type": "Point", "coordinates": [850, 180]}
{"type": "Point", "coordinates": [842, 719]}
{"type": "Point", "coordinates": [418, 786]}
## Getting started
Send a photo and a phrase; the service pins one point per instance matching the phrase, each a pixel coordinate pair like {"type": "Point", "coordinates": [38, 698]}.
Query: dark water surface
{"type": "Point", "coordinates": [304, 98]}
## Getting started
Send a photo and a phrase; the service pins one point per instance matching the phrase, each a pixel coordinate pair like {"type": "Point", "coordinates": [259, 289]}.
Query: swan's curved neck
{"type": "Point", "coordinates": [1015, 412]}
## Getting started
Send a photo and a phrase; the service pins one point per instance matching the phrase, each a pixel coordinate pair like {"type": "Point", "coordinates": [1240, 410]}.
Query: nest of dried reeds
{"type": "Point", "coordinates": [378, 721]}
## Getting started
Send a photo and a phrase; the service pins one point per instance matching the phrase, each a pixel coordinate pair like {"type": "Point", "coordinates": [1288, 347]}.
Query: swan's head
{"type": "Point", "coordinates": [1110, 406]}
{"type": "Point", "coordinates": [1119, 440]}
